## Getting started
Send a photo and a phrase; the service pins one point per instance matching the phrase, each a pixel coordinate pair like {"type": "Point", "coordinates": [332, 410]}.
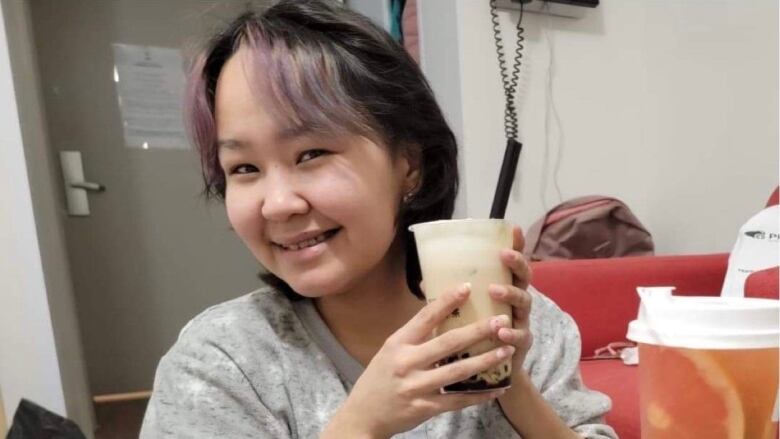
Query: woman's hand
{"type": "Point", "coordinates": [524, 407]}
{"type": "Point", "coordinates": [519, 334]}
{"type": "Point", "coordinates": [400, 387]}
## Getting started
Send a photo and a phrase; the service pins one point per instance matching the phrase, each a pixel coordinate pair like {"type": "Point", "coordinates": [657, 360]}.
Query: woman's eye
{"type": "Point", "coordinates": [311, 154]}
{"type": "Point", "coordinates": [243, 169]}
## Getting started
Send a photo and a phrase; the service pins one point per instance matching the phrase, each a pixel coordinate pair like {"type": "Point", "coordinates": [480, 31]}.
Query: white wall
{"type": "Point", "coordinates": [377, 10]}
{"type": "Point", "coordinates": [440, 60]}
{"type": "Point", "coordinates": [670, 105]}
{"type": "Point", "coordinates": [28, 359]}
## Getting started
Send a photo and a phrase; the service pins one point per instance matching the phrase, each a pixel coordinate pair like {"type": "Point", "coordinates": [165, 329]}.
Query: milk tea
{"type": "Point", "coordinates": [457, 251]}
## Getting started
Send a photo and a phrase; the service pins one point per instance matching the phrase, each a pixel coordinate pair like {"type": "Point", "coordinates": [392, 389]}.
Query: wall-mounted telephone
{"type": "Point", "coordinates": [563, 8]}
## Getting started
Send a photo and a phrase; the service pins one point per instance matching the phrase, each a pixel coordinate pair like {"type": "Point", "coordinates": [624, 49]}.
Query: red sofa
{"type": "Point", "coordinates": [600, 294]}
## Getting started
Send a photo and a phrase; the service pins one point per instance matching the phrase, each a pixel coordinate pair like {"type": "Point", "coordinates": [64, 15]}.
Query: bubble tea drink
{"type": "Point", "coordinates": [708, 366]}
{"type": "Point", "coordinates": [451, 253]}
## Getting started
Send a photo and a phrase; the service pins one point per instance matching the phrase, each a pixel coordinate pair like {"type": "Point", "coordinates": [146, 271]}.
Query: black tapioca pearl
{"type": "Point", "coordinates": [465, 355]}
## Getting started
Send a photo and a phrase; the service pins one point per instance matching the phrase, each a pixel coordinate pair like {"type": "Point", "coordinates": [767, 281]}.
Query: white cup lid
{"type": "Point", "coordinates": [705, 322]}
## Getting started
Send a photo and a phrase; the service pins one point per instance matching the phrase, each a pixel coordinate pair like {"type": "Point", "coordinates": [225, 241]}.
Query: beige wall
{"type": "Point", "coordinates": [28, 354]}
{"type": "Point", "coordinates": [3, 423]}
{"type": "Point", "coordinates": [49, 230]}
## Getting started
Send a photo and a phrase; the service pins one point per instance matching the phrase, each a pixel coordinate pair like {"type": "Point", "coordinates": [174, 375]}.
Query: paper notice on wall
{"type": "Point", "coordinates": [150, 82]}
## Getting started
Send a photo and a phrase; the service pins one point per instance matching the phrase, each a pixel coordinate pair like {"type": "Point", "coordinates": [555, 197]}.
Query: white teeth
{"type": "Point", "coordinates": [304, 244]}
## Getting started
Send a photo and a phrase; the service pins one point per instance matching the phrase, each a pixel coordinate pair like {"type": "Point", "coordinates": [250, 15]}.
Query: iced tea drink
{"type": "Point", "coordinates": [708, 367]}
{"type": "Point", "coordinates": [707, 393]}
{"type": "Point", "coordinates": [451, 253]}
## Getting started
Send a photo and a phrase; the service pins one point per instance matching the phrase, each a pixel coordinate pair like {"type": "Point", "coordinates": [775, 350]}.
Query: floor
{"type": "Point", "coordinates": [119, 420]}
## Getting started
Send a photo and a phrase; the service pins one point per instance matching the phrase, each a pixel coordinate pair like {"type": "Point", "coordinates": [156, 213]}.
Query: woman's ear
{"type": "Point", "coordinates": [413, 172]}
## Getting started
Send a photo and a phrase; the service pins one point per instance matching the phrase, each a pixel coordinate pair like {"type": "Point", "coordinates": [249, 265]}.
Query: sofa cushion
{"type": "Point", "coordinates": [764, 283]}
{"type": "Point", "coordinates": [600, 294]}
{"type": "Point", "coordinates": [621, 383]}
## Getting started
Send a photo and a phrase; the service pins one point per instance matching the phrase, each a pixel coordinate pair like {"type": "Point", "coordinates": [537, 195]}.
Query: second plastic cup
{"type": "Point", "coordinates": [708, 366]}
{"type": "Point", "coordinates": [451, 253]}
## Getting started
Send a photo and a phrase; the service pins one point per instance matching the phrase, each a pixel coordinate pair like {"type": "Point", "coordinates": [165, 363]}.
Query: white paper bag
{"type": "Point", "coordinates": [756, 249]}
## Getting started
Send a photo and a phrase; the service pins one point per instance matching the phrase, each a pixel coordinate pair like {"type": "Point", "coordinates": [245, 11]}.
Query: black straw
{"type": "Point", "coordinates": [505, 178]}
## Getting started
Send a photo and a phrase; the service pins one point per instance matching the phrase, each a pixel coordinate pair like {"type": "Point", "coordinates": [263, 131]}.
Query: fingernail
{"type": "Point", "coordinates": [498, 291]}
{"type": "Point", "coordinates": [499, 322]}
{"type": "Point", "coordinates": [463, 290]}
{"type": "Point", "coordinates": [505, 352]}
{"type": "Point", "coordinates": [505, 332]}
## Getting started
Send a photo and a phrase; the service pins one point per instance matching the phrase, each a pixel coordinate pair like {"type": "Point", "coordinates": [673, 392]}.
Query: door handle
{"type": "Point", "coordinates": [94, 187]}
{"type": "Point", "coordinates": [76, 186]}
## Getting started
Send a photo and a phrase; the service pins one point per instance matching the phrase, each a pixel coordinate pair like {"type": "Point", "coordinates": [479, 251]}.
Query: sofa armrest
{"type": "Point", "coordinates": [600, 294]}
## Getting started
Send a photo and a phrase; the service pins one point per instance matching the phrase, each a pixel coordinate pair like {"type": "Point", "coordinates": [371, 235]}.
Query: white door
{"type": "Point", "coordinates": [152, 253]}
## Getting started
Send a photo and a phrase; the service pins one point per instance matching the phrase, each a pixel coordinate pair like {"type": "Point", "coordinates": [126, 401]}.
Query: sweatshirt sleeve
{"type": "Point", "coordinates": [553, 365]}
{"type": "Point", "coordinates": [201, 392]}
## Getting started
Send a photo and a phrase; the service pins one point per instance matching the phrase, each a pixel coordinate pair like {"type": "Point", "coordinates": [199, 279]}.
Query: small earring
{"type": "Point", "coordinates": [408, 196]}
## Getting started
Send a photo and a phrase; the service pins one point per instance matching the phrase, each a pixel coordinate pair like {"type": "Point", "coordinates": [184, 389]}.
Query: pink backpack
{"type": "Point", "coordinates": [588, 228]}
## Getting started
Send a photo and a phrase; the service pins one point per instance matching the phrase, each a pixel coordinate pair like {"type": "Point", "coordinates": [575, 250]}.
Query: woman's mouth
{"type": "Point", "coordinates": [311, 242]}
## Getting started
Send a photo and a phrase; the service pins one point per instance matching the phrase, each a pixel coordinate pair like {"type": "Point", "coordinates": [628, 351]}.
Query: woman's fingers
{"type": "Point", "coordinates": [459, 339]}
{"type": "Point", "coordinates": [516, 261]}
{"type": "Point", "coordinates": [519, 335]}
{"type": "Point", "coordinates": [521, 271]}
{"type": "Point", "coordinates": [518, 239]}
{"type": "Point", "coordinates": [519, 299]}
{"type": "Point", "coordinates": [521, 338]}
{"type": "Point", "coordinates": [427, 319]}
{"type": "Point", "coordinates": [466, 368]}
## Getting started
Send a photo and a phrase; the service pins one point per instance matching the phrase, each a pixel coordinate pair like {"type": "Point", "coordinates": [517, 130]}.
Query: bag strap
{"type": "Point", "coordinates": [566, 212]}
{"type": "Point", "coordinates": [610, 351]}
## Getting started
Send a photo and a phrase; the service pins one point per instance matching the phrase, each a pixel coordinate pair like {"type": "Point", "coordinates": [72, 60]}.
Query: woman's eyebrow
{"type": "Point", "coordinates": [229, 144]}
{"type": "Point", "coordinates": [281, 135]}
{"type": "Point", "coordinates": [292, 132]}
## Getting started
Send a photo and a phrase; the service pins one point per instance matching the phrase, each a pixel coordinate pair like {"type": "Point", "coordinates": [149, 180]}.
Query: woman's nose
{"type": "Point", "coordinates": [282, 201]}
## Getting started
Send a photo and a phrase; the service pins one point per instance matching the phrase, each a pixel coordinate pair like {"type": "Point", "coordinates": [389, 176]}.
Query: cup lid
{"type": "Point", "coordinates": [705, 322]}
{"type": "Point", "coordinates": [465, 224]}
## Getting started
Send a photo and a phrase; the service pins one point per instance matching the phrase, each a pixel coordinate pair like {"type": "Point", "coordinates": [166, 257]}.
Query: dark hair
{"type": "Point", "coordinates": [331, 69]}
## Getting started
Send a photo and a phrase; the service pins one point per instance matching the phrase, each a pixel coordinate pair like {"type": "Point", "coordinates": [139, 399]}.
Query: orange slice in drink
{"type": "Point", "coordinates": [688, 395]}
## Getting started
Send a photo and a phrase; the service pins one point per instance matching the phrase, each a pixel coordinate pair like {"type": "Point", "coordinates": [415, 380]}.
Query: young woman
{"type": "Point", "coordinates": [325, 141]}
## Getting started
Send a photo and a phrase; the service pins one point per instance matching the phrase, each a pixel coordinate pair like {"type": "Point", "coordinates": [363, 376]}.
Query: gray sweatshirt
{"type": "Point", "coordinates": [261, 366]}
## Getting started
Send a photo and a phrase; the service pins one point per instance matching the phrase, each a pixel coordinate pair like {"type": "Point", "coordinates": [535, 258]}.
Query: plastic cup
{"type": "Point", "coordinates": [451, 253]}
{"type": "Point", "coordinates": [708, 366]}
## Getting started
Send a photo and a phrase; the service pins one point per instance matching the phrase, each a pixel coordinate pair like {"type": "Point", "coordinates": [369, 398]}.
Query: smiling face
{"type": "Point", "coordinates": [318, 211]}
